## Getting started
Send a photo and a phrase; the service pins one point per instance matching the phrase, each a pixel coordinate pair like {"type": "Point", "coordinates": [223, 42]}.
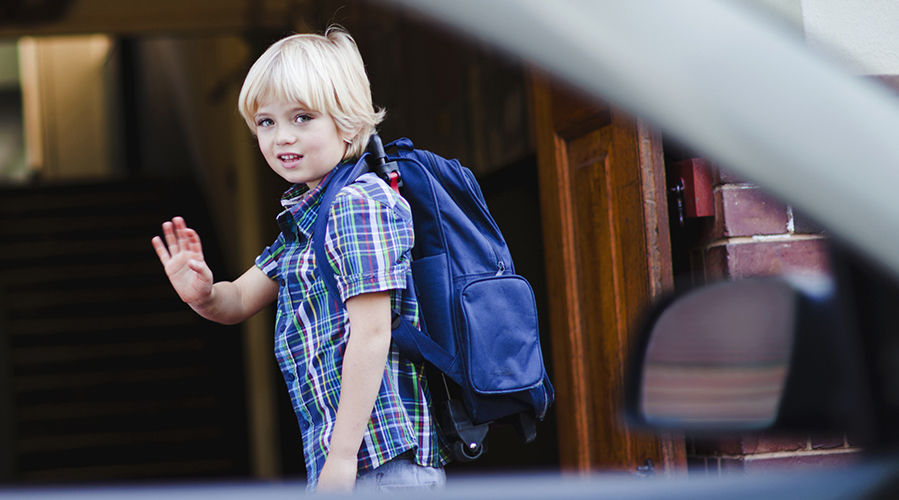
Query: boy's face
{"type": "Point", "coordinates": [300, 145]}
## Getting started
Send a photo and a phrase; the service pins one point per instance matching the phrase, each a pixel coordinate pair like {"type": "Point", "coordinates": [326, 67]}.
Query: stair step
{"type": "Point", "coordinates": [177, 385]}
{"type": "Point", "coordinates": [168, 468]}
{"type": "Point", "coordinates": [19, 253]}
{"type": "Point", "coordinates": [80, 197]}
{"type": "Point", "coordinates": [75, 272]}
{"type": "Point", "coordinates": [44, 412]}
{"type": "Point", "coordinates": [72, 381]}
{"type": "Point", "coordinates": [152, 306]}
{"type": "Point", "coordinates": [22, 357]}
{"type": "Point", "coordinates": [51, 443]}
{"type": "Point", "coordinates": [101, 297]}
{"type": "Point", "coordinates": [63, 225]}
{"type": "Point", "coordinates": [73, 326]}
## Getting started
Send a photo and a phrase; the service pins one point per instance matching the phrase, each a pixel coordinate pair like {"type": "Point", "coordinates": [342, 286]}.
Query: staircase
{"type": "Point", "coordinates": [104, 373]}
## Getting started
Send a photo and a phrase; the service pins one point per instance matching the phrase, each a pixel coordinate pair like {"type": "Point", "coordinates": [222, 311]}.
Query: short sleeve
{"type": "Point", "coordinates": [368, 243]}
{"type": "Point", "coordinates": [267, 261]}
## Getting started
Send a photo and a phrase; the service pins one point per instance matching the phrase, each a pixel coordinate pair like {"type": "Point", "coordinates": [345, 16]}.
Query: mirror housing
{"type": "Point", "coordinates": [776, 353]}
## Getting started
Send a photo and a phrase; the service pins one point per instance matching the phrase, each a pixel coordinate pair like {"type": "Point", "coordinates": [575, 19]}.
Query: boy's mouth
{"type": "Point", "coordinates": [289, 157]}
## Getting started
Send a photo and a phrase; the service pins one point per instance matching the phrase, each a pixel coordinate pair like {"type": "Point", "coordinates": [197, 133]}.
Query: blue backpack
{"type": "Point", "coordinates": [478, 318]}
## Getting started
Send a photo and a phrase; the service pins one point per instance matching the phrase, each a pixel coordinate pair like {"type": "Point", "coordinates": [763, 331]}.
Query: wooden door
{"type": "Point", "coordinates": [604, 210]}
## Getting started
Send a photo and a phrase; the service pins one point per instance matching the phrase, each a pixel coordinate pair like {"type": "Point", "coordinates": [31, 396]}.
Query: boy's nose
{"type": "Point", "coordinates": [285, 136]}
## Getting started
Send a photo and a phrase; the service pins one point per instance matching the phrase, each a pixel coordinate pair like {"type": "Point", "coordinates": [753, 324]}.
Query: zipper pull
{"type": "Point", "coordinates": [501, 267]}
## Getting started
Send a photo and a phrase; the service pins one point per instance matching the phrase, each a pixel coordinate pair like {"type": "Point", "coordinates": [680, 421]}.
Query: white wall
{"type": "Point", "coordinates": [862, 33]}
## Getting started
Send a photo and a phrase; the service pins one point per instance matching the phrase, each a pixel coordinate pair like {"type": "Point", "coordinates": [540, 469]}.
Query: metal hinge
{"type": "Point", "coordinates": [678, 192]}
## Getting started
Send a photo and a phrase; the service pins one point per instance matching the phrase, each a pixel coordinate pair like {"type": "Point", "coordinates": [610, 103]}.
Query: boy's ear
{"type": "Point", "coordinates": [348, 135]}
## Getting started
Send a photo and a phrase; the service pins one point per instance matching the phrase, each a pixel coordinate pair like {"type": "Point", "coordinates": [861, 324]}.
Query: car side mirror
{"type": "Point", "coordinates": [763, 353]}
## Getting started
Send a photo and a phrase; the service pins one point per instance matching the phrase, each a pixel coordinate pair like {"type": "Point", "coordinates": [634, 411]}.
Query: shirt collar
{"type": "Point", "coordinates": [301, 207]}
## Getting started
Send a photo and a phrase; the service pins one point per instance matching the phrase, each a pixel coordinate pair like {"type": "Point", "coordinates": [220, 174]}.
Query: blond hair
{"type": "Point", "coordinates": [322, 72]}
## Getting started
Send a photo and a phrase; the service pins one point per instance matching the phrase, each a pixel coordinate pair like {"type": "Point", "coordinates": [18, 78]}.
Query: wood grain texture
{"type": "Point", "coordinates": [605, 229]}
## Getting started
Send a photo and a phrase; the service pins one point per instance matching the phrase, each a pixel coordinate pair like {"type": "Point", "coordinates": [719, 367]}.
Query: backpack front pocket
{"type": "Point", "coordinates": [502, 340]}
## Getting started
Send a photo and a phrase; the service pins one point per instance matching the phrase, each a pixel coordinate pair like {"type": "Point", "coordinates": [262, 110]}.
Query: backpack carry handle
{"type": "Point", "coordinates": [388, 171]}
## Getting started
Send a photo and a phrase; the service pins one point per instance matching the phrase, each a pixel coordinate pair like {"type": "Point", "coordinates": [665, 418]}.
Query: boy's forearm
{"type": "Point", "coordinates": [231, 302]}
{"type": "Point", "coordinates": [221, 304]}
{"type": "Point", "coordinates": [364, 363]}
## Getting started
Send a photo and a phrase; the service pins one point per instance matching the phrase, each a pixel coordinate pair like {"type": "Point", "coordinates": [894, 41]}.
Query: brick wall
{"type": "Point", "coordinates": [752, 234]}
{"type": "Point", "coordinates": [762, 453]}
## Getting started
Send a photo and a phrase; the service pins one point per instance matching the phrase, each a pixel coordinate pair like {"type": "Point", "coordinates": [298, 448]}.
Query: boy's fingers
{"type": "Point", "coordinates": [192, 241]}
{"type": "Point", "coordinates": [160, 249]}
{"type": "Point", "coordinates": [187, 237]}
{"type": "Point", "coordinates": [170, 239]}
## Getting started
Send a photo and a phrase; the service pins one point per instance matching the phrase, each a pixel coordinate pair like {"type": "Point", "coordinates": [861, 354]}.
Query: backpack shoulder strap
{"type": "Point", "coordinates": [342, 176]}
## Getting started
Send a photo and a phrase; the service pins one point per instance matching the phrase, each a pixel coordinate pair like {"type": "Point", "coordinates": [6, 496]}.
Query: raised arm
{"type": "Point", "coordinates": [225, 301]}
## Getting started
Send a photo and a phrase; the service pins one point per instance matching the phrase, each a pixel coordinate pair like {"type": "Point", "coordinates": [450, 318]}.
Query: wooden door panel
{"type": "Point", "coordinates": [588, 161]}
{"type": "Point", "coordinates": [595, 170]}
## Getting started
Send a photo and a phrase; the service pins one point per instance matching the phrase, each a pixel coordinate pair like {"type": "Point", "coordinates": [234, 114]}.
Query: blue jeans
{"type": "Point", "coordinates": [401, 474]}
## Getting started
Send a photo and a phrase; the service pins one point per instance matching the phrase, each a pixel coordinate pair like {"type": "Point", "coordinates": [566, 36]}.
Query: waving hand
{"type": "Point", "coordinates": [182, 257]}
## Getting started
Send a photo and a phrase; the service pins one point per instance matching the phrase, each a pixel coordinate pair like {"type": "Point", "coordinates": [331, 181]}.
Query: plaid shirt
{"type": "Point", "coordinates": [368, 242]}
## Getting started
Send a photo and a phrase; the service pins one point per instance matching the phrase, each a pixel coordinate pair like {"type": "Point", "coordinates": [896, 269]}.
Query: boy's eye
{"type": "Point", "coordinates": [303, 117]}
{"type": "Point", "coordinates": [264, 122]}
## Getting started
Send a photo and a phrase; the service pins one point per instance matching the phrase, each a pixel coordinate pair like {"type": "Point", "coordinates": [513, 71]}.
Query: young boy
{"type": "Point", "coordinates": [363, 409]}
